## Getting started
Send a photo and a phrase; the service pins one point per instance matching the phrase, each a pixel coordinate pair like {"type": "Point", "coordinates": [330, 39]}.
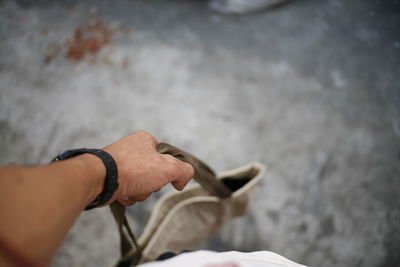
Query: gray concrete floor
{"type": "Point", "coordinates": [311, 89]}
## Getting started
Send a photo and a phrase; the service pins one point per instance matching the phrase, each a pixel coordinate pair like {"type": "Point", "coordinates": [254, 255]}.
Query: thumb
{"type": "Point", "coordinates": [184, 174]}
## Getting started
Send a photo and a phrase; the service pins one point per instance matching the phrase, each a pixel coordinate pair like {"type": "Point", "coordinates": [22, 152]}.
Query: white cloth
{"type": "Point", "coordinates": [204, 258]}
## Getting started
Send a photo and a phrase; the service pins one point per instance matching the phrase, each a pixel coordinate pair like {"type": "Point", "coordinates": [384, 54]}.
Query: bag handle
{"type": "Point", "coordinates": [203, 175]}
{"type": "Point", "coordinates": [127, 239]}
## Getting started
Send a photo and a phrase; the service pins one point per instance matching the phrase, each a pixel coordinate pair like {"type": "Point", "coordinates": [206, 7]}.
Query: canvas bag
{"type": "Point", "coordinates": [182, 220]}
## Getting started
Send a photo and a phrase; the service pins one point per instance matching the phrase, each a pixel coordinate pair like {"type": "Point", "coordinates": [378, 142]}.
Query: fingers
{"type": "Point", "coordinates": [142, 170]}
{"type": "Point", "coordinates": [179, 172]}
{"type": "Point", "coordinates": [180, 185]}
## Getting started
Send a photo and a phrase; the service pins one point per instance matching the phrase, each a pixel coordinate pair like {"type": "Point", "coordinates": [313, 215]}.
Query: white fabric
{"type": "Point", "coordinates": [204, 258]}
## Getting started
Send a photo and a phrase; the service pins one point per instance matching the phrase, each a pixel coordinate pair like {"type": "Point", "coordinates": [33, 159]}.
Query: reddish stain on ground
{"type": "Point", "coordinates": [87, 40]}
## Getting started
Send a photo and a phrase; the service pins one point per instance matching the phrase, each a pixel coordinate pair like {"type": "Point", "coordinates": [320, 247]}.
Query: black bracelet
{"type": "Point", "coordinates": [110, 182]}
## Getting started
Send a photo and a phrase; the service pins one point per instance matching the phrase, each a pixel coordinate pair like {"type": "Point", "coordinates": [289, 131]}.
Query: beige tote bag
{"type": "Point", "coordinates": [182, 220]}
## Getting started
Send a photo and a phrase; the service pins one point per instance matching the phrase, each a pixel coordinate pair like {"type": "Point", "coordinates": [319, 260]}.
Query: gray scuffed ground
{"type": "Point", "coordinates": [310, 89]}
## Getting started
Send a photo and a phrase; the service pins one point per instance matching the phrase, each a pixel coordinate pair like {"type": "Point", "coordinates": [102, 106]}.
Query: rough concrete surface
{"type": "Point", "coordinates": [311, 89]}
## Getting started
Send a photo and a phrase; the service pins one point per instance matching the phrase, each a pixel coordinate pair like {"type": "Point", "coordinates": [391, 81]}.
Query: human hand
{"type": "Point", "coordinates": [142, 170]}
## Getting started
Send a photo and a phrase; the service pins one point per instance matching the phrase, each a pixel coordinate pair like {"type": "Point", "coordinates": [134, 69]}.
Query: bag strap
{"type": "Point", "coordinates": [203, 175]}
{"type": "Point", "coordinates": [127, 238]}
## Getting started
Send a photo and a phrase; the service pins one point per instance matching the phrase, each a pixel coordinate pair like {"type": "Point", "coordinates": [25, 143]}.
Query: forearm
{"type": "Point", "coordinates": [38, 205]}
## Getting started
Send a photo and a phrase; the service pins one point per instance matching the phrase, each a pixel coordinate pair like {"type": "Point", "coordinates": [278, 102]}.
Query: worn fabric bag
{"type": "Point", "coordinates": [182, 220]}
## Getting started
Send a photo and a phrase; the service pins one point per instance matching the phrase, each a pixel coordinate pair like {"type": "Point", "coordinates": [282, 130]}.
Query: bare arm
{"type": "Point", "coordinates": [38, 205]}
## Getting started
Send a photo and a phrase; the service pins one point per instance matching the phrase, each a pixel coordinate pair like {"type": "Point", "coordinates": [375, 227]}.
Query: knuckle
{"type": "Point", "coordinates": [168, 159]}
{"type": "Point", "coordinates": [145, 135]}
{"type": "Point", "coordinates": [142, 133]}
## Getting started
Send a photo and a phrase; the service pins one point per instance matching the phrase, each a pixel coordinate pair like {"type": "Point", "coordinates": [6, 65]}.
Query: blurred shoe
{"type": "Point", "coordinates": [241, 6]}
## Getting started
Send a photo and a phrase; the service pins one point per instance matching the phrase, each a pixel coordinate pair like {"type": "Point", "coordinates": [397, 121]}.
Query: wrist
{"type": "Point", "coordinates": [95, 170]}
{"type": "Point", "coordinates": [110, 182]}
